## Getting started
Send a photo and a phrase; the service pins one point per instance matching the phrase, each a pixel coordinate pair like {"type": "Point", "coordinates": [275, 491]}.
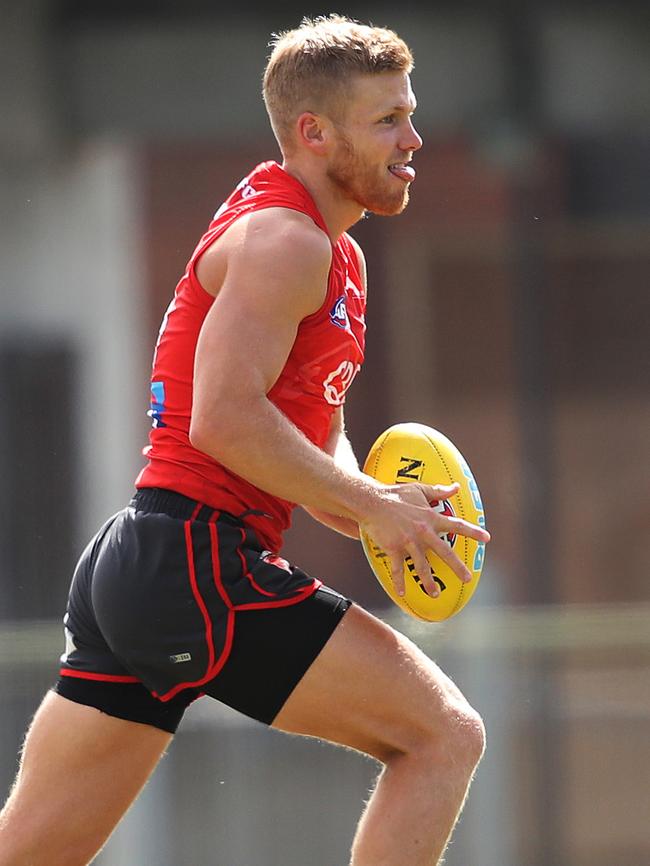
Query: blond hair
{"type": "Point", "coordinates": [310, 66]}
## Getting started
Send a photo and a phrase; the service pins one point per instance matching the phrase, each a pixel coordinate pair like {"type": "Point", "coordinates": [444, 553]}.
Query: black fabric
{"type": "Point", "coordinates": [272, 651]}
{"type": "Point", "coordinates": [130, 701]}
{"type": "Point", "coordinates": [157, 499]}
{"type": "Point", "coordinates": [188, 602]}
{"type": "Point", "coordinates": [154, 500]}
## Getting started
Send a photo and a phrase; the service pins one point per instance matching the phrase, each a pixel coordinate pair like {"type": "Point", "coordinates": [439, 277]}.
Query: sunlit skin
{"type": "Point", "coordinates": [353, 156]}
{"type": "Point", "coordinates": [377, 132]}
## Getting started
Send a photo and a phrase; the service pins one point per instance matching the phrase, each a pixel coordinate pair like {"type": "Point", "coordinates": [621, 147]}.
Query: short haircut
{"type": "Point", "coordinates": [310, 67]}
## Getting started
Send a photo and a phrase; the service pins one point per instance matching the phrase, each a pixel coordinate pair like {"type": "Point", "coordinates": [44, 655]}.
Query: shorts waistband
{"type": "Point", "coordinates": [156, 500]}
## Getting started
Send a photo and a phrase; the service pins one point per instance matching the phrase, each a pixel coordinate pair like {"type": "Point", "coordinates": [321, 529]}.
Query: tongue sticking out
{"type": "Point", "coordinates": [404, 172]}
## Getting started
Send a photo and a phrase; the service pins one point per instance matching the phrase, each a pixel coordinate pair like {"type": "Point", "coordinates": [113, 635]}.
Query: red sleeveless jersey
{"type": "Point", "coordinates": [325, 358]}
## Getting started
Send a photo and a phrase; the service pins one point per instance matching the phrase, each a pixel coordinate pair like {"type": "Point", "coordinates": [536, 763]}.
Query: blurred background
{"type": "Point", "coordinates": [509, 307]}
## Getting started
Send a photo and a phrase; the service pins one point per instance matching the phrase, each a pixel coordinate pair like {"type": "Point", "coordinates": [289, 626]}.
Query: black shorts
{"type": "Point", "coordinates": [172, 600]}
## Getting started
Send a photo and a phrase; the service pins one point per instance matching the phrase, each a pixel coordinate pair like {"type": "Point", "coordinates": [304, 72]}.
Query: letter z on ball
{"type": "Point", "coordinates": [414, 452]}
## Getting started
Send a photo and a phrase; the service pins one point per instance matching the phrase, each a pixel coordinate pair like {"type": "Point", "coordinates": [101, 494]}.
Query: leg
{"type": "Point", "coordinates": [79, 773]}
{"type": "Point", "coordinates": [372, 689]}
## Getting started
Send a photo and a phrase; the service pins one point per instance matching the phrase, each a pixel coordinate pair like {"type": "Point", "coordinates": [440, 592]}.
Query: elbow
{"type": "Point", "coordinates": [198, 436]}
{"type": "Point", "coordinates": [210, 438]}
{"type": "Point", "coordinates": [218, 427]}
{"type": "Point", "coordinates": [204, 437]}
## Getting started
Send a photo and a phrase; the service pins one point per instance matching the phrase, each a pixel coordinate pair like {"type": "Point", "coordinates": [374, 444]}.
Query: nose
{"type": "Point", "coordinates": [412, 139]}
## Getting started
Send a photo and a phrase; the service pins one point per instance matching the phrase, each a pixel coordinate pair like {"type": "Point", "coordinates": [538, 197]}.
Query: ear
{"type": "Point", "coordinates": [313, 132]}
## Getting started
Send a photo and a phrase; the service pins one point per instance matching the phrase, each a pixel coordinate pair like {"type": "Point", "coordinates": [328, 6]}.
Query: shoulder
{"type": "Point", "coordinates": [285, 230]}
{"type": "Point", "coordinates": [275, 259]}
{"type": "Point", "coordinates": [274, 245]}
{"type": "Point", "coordinates": [275, 229]}
{"type": "Point", "coordinates": [288, 251]}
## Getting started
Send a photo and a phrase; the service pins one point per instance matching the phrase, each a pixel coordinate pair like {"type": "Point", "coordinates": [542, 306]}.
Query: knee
{"type": "Point", "coordinates": [464, 734]}
{"type": "Point", "coordinates": [454, 736]}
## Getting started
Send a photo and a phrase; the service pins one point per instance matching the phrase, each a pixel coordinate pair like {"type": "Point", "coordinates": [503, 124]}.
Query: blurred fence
{"type": "Point", "coordinates": [565, 693]}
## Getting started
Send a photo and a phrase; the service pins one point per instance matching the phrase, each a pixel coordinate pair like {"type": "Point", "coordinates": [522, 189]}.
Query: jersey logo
{"type": "Point", "coordinates": [338, 382]}
{"type": "Point", "coordinates": [339, 314]}
{"type": "Point", "coordinates": [244, 189]}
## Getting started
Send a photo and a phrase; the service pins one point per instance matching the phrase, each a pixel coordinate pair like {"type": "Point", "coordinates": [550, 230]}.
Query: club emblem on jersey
{"type": "Point", "coordinates": [339, 314]}
{"type": "Point", "coordinates": [338, 382]}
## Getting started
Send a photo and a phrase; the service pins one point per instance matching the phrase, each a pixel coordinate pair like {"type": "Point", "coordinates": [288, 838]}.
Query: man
{"type": "Point", "coordinates": [183, 593]}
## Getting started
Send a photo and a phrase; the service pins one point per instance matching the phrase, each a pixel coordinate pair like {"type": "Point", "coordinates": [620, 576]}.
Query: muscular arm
{"type": "Point", "coordinates": [268, 272]}
{"type": "Point", "coordinates": [276, 269]}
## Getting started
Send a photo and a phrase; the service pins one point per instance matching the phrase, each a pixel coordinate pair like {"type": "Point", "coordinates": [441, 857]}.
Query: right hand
{"type": "Point", "coordinates": [402, 523]}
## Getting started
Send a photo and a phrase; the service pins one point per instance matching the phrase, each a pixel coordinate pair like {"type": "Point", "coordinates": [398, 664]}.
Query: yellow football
{"type": "Point", "coordinates": [414, 452]}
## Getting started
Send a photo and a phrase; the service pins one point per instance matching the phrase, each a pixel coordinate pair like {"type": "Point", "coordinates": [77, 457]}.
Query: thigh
{"type": "Point", "coordinates": [371, 689]}
{"type": "Point", "coordinates": [80, 771]}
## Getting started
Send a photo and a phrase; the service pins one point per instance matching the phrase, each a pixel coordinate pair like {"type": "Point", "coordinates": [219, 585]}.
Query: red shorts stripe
{"type": "Point", "coordinates": [216, 565]}
{"type": "Point", "coordinates": [249, 577]}
{"type": "Point", "coordinates": [197, 594]}
{"type": "Point", "coordinates": [284, 602]}
{"type": "Point", "coordinates": [106, 678]}
{"type": "Point", "coordinates": [214, 666]}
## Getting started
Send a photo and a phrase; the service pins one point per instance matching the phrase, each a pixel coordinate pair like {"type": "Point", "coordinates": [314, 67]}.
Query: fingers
{"type": "Point", "coordinates": [414, 492]}
{"type": "Point", "coordinates": [397, 571]}
{"type": "Point", "coordinates": [423, 570]}
{"type": "Point", "coordinates": [414, 557]}
{"type": "Point", "coordinates": [415, 560]}
{"type": "Point", "coordinates": [414, 528]}
{"type": "Point", "coordinates": [431, 540]}
{"type": "Point", "coordinates": [436, 492]}
{"type": "Point", "coordinates": [458, 526]}
{"type": "Point", "coordinates": [444, 551]}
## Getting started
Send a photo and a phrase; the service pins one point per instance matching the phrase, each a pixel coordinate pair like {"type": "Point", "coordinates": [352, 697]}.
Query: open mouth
{"type": "Point", "coordinates": [402, 171]}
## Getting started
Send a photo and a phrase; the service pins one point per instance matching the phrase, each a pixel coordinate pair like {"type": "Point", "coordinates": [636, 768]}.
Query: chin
{"type": "Point", "coordinates": [371, 192]}
{"type": "Point", "coordinates": [386, 206]}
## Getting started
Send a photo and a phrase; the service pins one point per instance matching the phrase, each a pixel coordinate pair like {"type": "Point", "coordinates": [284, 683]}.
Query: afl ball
{"type": "Point", "coordinates": [411, 452]}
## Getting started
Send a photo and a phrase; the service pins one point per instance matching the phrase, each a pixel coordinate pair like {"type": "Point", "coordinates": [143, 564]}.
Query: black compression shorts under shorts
{"type": "Point", "coordinates": [172, 600]}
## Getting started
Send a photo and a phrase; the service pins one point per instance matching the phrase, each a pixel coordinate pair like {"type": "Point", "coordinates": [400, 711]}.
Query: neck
{"type": "Point", "coordinates": [339, 213]}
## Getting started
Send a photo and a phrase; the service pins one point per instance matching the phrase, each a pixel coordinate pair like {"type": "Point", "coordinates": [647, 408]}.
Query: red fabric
{"type": "Point", "coordinates": [106, 678]}
{"type": "Point", "coordinates": [326, 355]}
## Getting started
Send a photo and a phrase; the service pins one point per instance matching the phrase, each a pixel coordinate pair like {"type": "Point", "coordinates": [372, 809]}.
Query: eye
{"type": "Point", "coordinates": [389, 119]}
